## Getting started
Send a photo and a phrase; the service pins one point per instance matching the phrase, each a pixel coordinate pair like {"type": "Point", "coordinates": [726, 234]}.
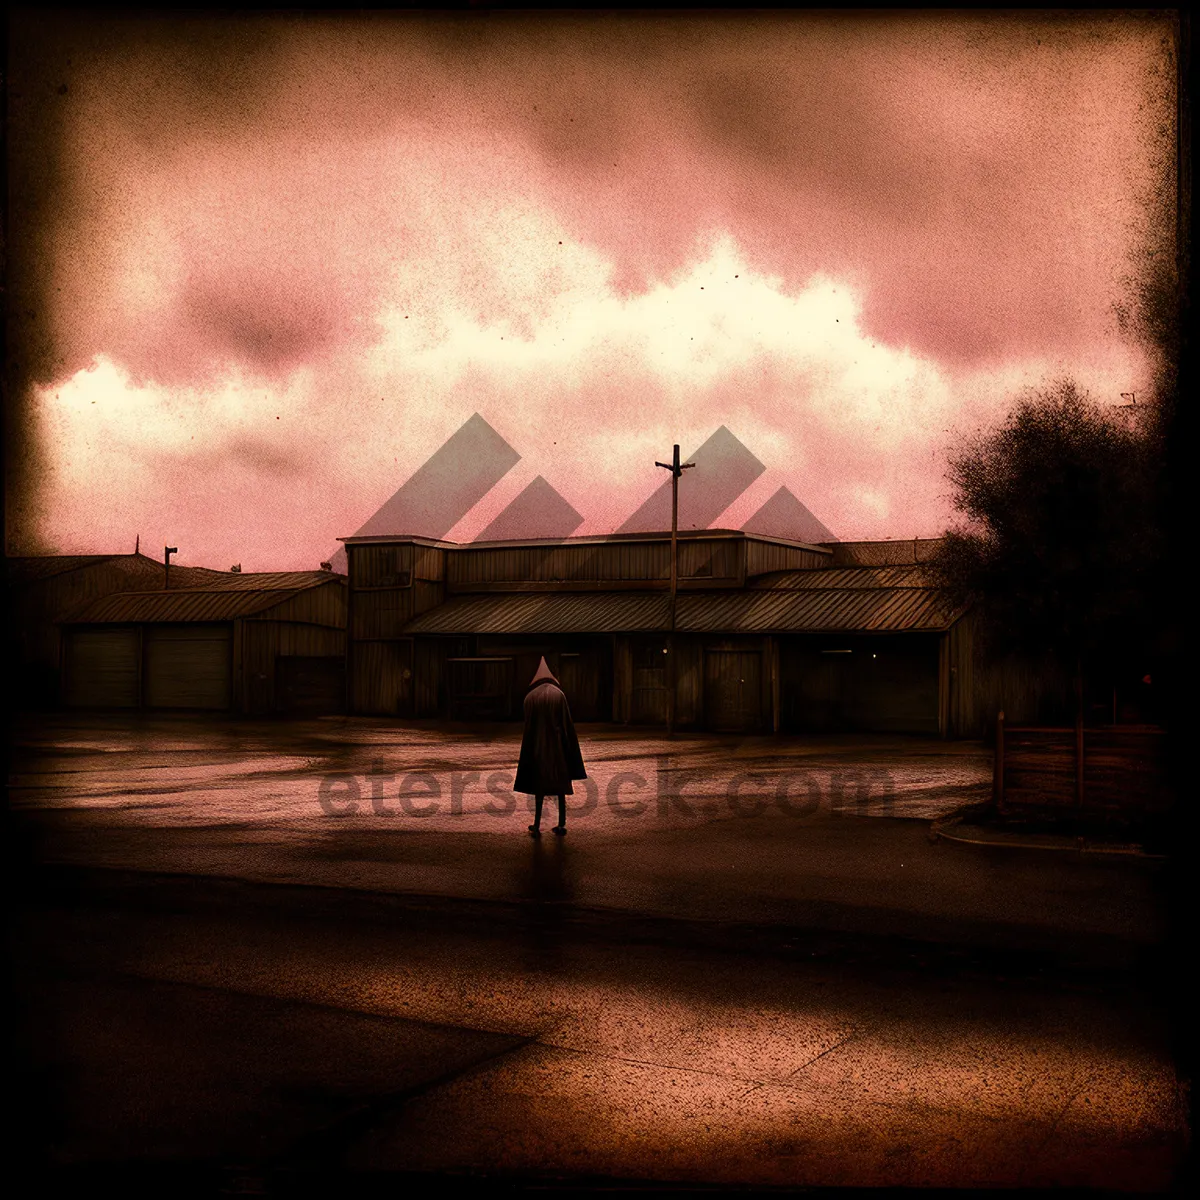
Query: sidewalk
{"type": "Point", "coordinates": [971, 826]}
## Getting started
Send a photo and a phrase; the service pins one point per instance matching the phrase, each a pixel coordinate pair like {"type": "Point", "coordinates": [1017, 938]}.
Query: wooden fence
{"type": "Point", "coordinates": [1111, 769]}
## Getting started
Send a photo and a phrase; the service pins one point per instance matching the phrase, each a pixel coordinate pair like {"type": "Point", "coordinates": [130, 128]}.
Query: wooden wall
{"type": "Point", "coordinates": [478, 569]}
{"type": "Point", "coordinates": [324, 604]}
{"type": "Point", "coordinates": [1124, 771]}
{"type": "Point", "coordinates": [381, 675]}
{"type": "Point", "coordinates": [983, 684]}
{"type": "Point", "coordinates": [389, 584]}
{"type": "Point", "coordinates": [640, 677]}
{"type": "Point", "coordinates": [873, 683]}
{"type": "Point", "coordinates": [258, 643]}
{"type": "Point", "coordinates": [762, 557]}
{"type": "Point", "coordinates": [703, 562]}
{"type": "Point", "coordinates": [35, 639]}
{"type": "Point", "coordinates": [622, 678]}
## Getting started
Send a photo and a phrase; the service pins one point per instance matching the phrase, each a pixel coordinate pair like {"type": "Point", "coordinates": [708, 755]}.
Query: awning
{"type": "Point", "coordinates": [761, 610]}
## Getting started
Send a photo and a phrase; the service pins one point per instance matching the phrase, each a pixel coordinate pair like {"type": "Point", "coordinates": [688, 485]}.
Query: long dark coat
{"type": "Point", "coordinates": [550, 756]}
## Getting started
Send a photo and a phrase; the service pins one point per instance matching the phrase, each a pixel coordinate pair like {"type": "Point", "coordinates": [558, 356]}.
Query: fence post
{"type": "Point", "coordinates": [1079, 762]}
{"type": "Point", "coordinates": [998, 772]}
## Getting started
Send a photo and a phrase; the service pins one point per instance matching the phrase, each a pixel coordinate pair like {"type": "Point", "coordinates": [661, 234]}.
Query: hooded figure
{"type": "Point", "coordinates": [550, 756]}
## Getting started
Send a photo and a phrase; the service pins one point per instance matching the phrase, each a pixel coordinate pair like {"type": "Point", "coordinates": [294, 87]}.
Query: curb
{"type": "Point", "coordinates": [946, 829]}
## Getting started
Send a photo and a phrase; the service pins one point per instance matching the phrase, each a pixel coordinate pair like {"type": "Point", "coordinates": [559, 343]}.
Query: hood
{"type": "Point", "coordinates": [543, 675]}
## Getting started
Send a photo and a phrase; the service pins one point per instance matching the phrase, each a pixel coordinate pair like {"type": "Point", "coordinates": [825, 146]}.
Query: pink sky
{"type": "Point", "coordinates": [288, 258]}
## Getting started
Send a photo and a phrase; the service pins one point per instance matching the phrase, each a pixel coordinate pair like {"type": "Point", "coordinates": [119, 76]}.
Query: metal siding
{"type": "Point", "coordinates": [263, 643]}
{"type": "Point", "coordinates": [44, 592]}
{"type": "Point", "coordinates": [689, 682]}
{"type": "Point", "coordinates": [374, 564]}
{"type": "Point", "coordinates": [583, 664]}
{"type": "Point", "coordinates": [429, 563]}
{"type": "Point", "coordinates": [429, 658]}
{"type": "Point", "coordinates": [762, 557]}
{"type": "Point", "coordinates": [884, 684]}
{"type": "Point", "coordinates": [382, 614]}
{"type": "Point", "coordinates": [983, 684]}
{"type": "Point", "coordinates": [480, 688]}
{"type": "Point", "coordinates": [324, 604]}
{"type": "Point", "coordinates": [648, 693]}
{"type": "Point", "coordinates": [711, 559]}
{"type": "Point", "coordinates": [102, 668]}
{"type": "Point", "coordinates": [382, 678]}
{"type": "Point", "coordinates": [310, 685]}
{"type": "Point", "coordinates": [188, 666]}
{"type": "Point", "coordinates": [733, 690]}
{"type": "Point", "coordinates": [622, 679]}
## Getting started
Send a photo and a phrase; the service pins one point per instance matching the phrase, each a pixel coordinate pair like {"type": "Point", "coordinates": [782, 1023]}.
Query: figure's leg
{"type": "Point", "coordinates": [536, 827]}
{"type": "Point", "coordinates": [561, 827]}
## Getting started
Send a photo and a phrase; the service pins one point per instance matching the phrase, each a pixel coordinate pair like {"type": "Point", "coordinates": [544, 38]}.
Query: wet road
{"type": "Point", "coordinates": [180, 772]}
{"type": "Point", "coordinates": [268, 1040]}
{"type": "Point", "coordinates": [825, 833]}
{"type": "Point", "coordinates": [226, 979]}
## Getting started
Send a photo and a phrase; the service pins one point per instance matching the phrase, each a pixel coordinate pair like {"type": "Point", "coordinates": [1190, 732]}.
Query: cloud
{"type": "Point", "coordinates": [286, 283]}
{"type": "Point", "coordinates": [598, 387]}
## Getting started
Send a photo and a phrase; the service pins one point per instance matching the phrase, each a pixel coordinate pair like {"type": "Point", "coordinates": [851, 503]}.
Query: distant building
{"type": "Point", "coordinates": [771, 635]}
{"type": "Point", "coordinates": [44, 590]}
{"type": "Point", "coordinates": [254, 644]}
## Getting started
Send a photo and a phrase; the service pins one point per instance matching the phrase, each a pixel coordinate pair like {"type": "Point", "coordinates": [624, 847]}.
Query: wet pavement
{"type": "Point", "coordinates": [278, 1042]}
{"type": "Point", "coordinates": [829, 833]}
{"type": "Point", "coordinates": [762, 984]}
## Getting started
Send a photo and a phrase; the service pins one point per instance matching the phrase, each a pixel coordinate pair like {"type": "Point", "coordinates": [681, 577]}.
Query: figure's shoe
{"type": "Point", "coordinates": [561, 830]}
{"type": "Point", "coordinates": [534, 831]}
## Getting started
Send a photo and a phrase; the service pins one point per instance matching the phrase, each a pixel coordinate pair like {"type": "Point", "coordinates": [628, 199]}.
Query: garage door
{"type": "Point", "coordinates": [102, 668]}
{"type": "Point", "coordinates": [188, 666]}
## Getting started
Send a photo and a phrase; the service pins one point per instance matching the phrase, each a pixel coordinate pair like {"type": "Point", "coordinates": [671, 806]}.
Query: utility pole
{"type": "Point", "coordinates": [677, 469]}
{"type": "Point", "coordinates": [167, 552]}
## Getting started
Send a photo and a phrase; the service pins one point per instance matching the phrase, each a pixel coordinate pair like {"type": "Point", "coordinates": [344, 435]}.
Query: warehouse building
{"type": "Point", "coordinates": [46, 590]}
{"type": "Point", "coordinates": [771, 635]}
{"type": "Point", "coordinates": [245, 643]}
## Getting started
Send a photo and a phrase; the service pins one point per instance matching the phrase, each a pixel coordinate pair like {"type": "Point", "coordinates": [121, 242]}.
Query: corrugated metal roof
{"type": "Point", "coordinates": [30, 568]}
{"type": "Point", "coordinates": [815, 610]}
{"type": "Point", "coordinates": [39, 567]}
{"type": "Point", "coordinates": [907, 575]}
{"type": "Point", "coordinates": [759, 610]}
{"type": "Point", "coordinates": [208, 603]}
{"type": "Point", "coordinates": [592, 539]}
{"type": "Point", "coordinates": [885, 553]}
{"type": "Point", "coordinates": [263, 581]}
{"type": "Point", "coordinates": [546, 612]}
{"type": "Point", "coordinates": [184, 604]}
